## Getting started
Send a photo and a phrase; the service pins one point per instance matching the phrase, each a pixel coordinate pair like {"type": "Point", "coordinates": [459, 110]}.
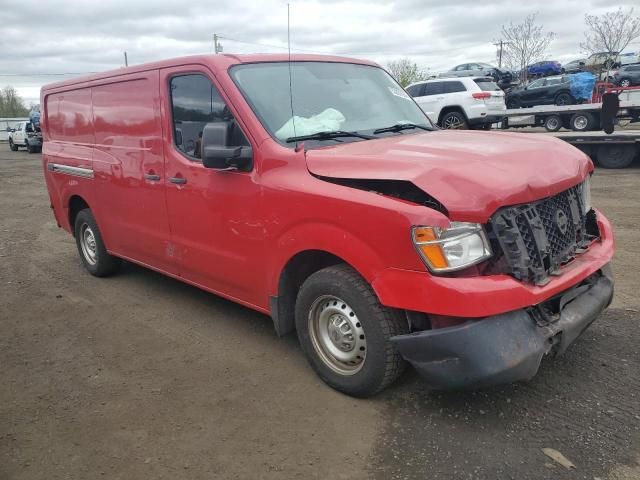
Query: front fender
{"type": "Point", "coordinates": [329, 238]}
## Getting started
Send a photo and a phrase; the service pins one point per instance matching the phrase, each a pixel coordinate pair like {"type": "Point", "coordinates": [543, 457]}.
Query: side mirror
{"type": "Point", "coordinates": [218, 154]}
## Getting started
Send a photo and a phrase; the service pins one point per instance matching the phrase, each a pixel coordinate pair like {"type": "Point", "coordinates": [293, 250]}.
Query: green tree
{"type": "Point", "coordinates": [406, 72]}
{"type": "Point", "coordinates": [11, 104]}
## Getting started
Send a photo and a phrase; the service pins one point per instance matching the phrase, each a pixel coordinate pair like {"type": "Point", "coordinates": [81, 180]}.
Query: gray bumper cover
{"type": "Point", "coordinates": [504, 348]}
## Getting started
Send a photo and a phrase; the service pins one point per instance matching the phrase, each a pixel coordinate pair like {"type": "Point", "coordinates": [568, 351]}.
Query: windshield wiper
{"type": "Point", "coordinates": [401, 126]}
{"type": "Point", "coordinates": [328, 136]}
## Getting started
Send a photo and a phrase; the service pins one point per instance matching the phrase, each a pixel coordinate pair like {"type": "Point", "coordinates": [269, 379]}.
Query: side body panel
{"type": "Point", "coordinates": [67, 125]}
{"type": "Point", "coordinates": [129, 169]}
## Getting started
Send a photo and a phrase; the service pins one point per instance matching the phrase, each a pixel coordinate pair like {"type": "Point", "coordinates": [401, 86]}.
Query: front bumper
{"type": "Point", "coordinates": [506, 347]}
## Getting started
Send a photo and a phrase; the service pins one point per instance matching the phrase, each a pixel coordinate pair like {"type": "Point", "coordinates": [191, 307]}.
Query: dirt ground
{"type": "Point", "coordinates": [140, 376]}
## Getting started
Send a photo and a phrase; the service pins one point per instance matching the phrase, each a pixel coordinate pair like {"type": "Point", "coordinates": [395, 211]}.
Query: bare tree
{"type": "Point", "coordinates": [610, 32]}
{"type": "Point", "coordinates": [525, 43]}
{"type": "Point", "coordinates": [405, 71]}
{"type": "Point", "coordinates": [11, 104]}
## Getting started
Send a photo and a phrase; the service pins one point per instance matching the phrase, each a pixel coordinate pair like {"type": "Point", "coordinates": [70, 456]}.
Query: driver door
{"type": "Point", "coordinates": [214, 216]}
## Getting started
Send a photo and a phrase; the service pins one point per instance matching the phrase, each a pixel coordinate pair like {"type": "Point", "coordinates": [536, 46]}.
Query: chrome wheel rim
{"type": "Point", "coordinates": [625, 83]}
{"type": "Point", "coordinates": [337, 335]}
{"type": "Point", "coordinates": [580, 123]}
{"type": "Point", "coordinates": [562, 100]}
{"type": "Point", "coordinates": [553, 123]}
{"type": "Point", "coordinates": [88, 244]}
{"type": "Point", "coordinates": [452, 122]}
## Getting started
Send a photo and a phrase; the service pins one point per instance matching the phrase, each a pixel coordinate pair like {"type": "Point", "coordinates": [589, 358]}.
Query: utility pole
{"type": "Point", "coordinates": [499, 44]}
{"type": "Point", "coordinates": [126, 62]}
{"type": "Point", "coordinates": [217, 46]}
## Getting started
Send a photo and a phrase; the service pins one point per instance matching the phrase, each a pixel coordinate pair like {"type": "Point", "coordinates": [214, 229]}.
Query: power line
{"type": "Point", "coordinates": [284, 47]}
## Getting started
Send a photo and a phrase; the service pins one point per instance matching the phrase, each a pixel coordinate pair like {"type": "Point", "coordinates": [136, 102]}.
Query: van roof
{"type": "Point", "coordinates": [216, 61]}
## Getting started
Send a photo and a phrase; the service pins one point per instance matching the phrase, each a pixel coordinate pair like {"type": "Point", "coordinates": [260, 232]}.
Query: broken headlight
{"type": "Point", "coordinates": [453, 248]}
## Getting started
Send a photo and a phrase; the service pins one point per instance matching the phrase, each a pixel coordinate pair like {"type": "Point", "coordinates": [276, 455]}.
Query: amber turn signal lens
{"type": "Point", "coordinates": [432, 252]}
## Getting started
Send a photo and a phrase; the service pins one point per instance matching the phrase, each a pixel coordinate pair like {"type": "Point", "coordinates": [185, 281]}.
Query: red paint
{"type": "Point", "coordinates": [232, 233]}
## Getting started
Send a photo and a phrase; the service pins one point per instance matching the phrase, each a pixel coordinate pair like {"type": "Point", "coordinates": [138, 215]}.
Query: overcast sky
{"type": "Point", "coordinates": [51, 37]}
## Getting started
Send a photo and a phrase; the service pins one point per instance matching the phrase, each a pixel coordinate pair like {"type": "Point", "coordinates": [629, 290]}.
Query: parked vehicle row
{"type": "Point", "coordinates": [502, 77]}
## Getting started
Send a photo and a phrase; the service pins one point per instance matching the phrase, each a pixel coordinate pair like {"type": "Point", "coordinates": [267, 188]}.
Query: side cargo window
{"type": "Point", "coordinates": [195, 101]}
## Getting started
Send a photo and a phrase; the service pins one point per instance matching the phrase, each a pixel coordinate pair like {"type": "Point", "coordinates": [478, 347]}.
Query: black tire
{"type": "Point", "coordinates": [582, 122]}
{"type": "Point", "coordinates": [13, 146]}
{"type": "Point", "coordinates": [553, 123]}
{"type": "Point", "coordinates": [454, 120]}
{"type": "Point", "coordinates": [341, 286]}
{"type": "Point", "coordinates": [30, 148]}
{"type": "Point", "coordinates": [102, 264]}
{"type": "Point", "coordinates": [625, 82]}
{"type": "Point", "coordinates": [513, 103]}
{"type": "Point", "coordinates": [615, 156]}
{"type": "Point", "coordinates": [563, 99]}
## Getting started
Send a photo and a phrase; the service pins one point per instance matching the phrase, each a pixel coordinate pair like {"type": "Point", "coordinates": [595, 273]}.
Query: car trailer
{"type": "Point", "coordinates": [615, 150]}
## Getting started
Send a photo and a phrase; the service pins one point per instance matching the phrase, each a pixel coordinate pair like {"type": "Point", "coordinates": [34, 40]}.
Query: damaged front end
{"type": "Point", "coordinates": [507, 347]}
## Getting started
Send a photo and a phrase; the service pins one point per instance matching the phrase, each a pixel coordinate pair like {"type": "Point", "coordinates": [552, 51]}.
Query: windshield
{"type": "Point", "coordinates": [326, 97]}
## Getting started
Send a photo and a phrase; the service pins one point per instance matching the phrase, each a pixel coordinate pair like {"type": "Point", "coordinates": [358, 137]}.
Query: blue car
{"type": "Point", "coordinates": [544, 69]}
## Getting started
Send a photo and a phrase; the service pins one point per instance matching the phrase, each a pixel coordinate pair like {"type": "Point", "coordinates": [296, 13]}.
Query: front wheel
{"type": "Point", "coordinates": [13, 146]}
{"type": "Point", "coordinates": [93, 252]}
{"type": "Point", "coordinates": [345, 332]}
{"type": "Point", "coordinates": [625, 82]}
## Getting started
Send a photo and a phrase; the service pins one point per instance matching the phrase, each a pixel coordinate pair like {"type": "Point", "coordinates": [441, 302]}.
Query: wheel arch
{"type": "Point", "coordinates": [302, 252]}
{"type": "Point", "coordinates": [75, 204]}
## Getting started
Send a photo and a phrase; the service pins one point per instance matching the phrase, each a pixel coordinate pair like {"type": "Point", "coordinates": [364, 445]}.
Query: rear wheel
{"type": "Point", "coordinates": [345, 332]}
{"type": "Point", "coordinates": [454, 120]}
{"type": "Point", "coordinates": [582, 122]}
{"type": "Point", "coordinates": [30, 148]}
{"type": "Point", "coordinates": [553, 123]}
{"type": "Point", "coordinates": [513, 103]}
{"type": "Point", "coordinates": [13, 146]}
{"type": "Point", "coordinates": [625, 82]}
{"type": "Point", "coordinates": [563, 99]}
{"type": "Point", "coordinates": [615, 156]}
{"type": "Point", "coordinates": [93, 252]}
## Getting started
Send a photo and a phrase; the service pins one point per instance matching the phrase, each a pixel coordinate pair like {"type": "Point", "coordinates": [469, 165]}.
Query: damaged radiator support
{"type": "Point", "coordinates": [538, 238]}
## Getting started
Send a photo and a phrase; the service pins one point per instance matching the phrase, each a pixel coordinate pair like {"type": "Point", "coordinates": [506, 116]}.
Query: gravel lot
{"type": "Point", "coordinates": [140, 376]}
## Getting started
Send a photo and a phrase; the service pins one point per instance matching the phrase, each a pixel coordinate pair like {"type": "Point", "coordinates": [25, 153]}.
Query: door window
{"type": "Point", "coordinates": [537, 83]}
{"type": "Point", "coordinates": [433, 88]}
{"type": "Point", "coordinates": [195, 102]}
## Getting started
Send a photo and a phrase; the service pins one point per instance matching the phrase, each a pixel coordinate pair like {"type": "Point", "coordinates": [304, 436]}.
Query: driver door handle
{"type": "Point", "coordinates": [178, 180]}
{"type": "Point", "coordinates": [152, 177]}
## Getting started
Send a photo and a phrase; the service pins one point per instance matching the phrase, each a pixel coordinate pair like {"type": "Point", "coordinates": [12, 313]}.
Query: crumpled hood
{"type": "Point", "coordinates": [471, 173]}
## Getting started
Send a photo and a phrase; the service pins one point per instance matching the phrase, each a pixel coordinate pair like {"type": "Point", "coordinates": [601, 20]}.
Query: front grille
{"type": "Point", "coordinates": [538, 238]}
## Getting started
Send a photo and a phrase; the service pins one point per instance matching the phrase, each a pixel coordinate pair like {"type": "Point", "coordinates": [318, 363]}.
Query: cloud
{"type": "Point", "coordinates": [76, 36]}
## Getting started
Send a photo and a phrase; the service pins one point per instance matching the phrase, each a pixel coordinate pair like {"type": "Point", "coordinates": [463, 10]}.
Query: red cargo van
{"type": "Point", "coordinates": [316, 191]}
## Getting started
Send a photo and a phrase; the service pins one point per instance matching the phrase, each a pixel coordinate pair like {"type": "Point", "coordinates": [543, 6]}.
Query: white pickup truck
{"type": "Point", "coordinates": [23, 134]}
